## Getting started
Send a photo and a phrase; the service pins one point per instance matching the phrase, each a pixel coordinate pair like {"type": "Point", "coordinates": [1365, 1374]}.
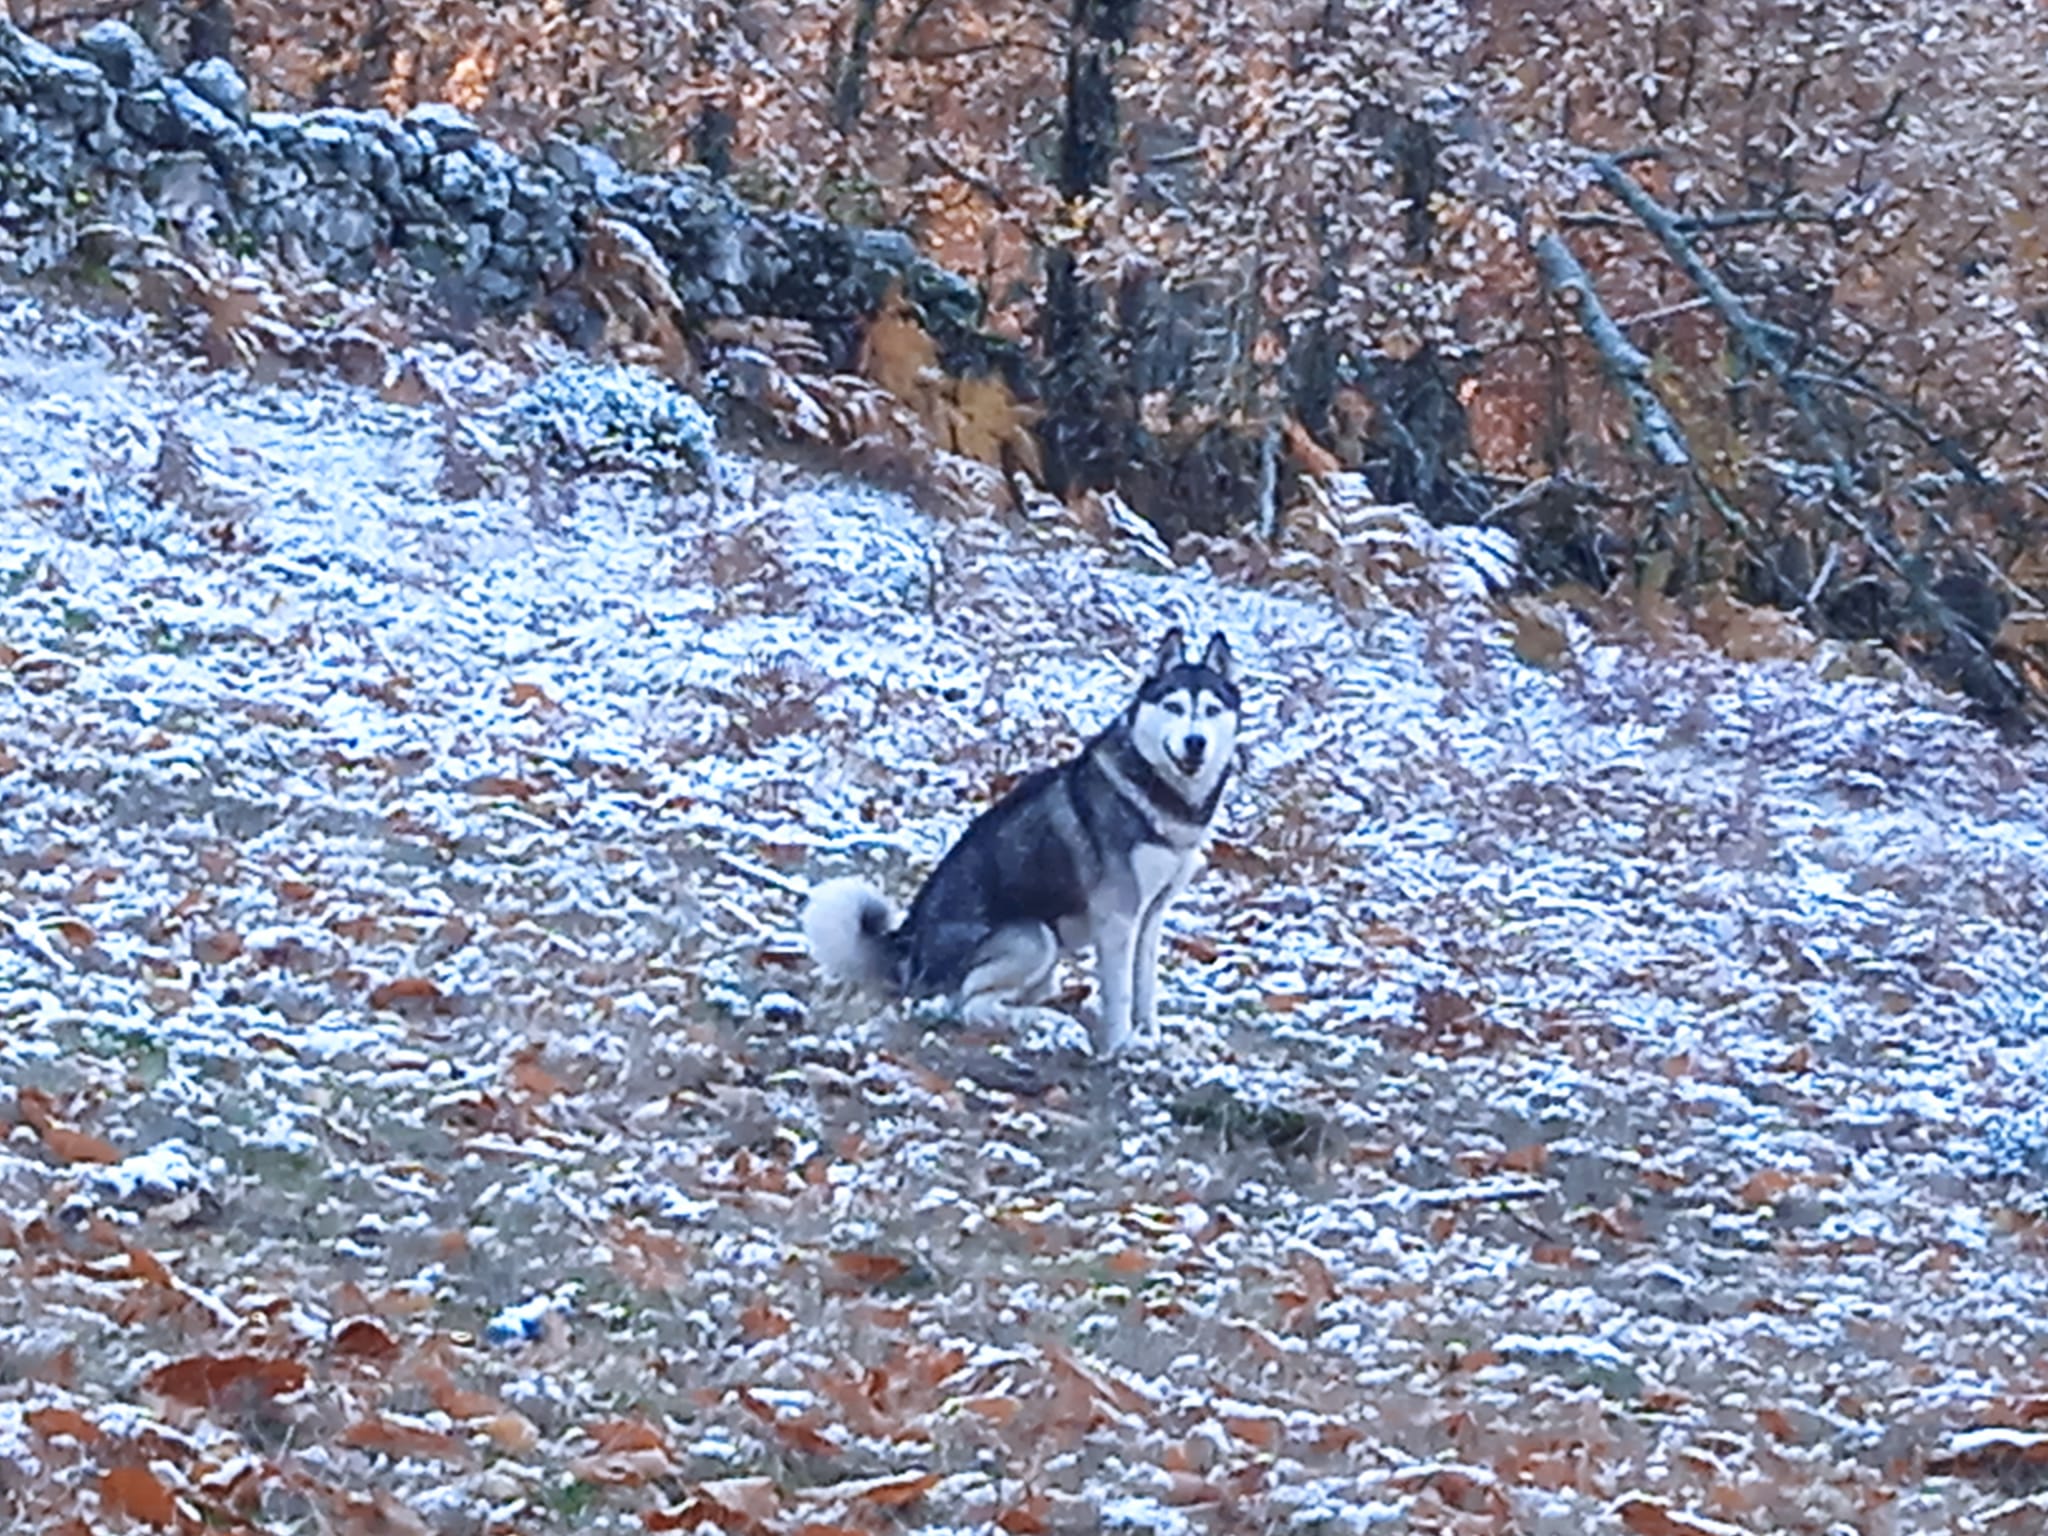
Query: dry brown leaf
{"type": "Point", "coordinates": [405, 989]}
{"type": "Point", "coordinates": [69, 1146]}
{"type": "Point", "coordinates": [202, 1380]}
{"type": "Point", "coordinates": [530, 1077]}
{"type": "Point", "coordinates": [393, 1436]}
{"type": "Point", "coordinates": [754, 1499]}
{"type": "Point", "coordinates": [56, 1423]}
{"type": "Point", "coordinates": [362, 1339]}
{"type": "Point", "coordinates": [1541, 638]}
{"type": "Point", "coordinates": [76, 932]}
{"type": "Point", "coordinates": [1646, 1516]}
{"type": "Point", "coordinates": [137, 1492]}
{"type": "Point", "coordinates": [759, 1320]}
{"type": "Point", "coordinates": [1311, 455]}
{"type": "Point", "coordinates": [146, 1266]}
{"type": "Point", "coordinates": [626, 1469]}
{"type": "Point", "coordinates": [511, 1431]}
{"type": "Point", "coordinates": [870, 1268]}
{"type": "Point", "coordinates": [897, 354]}
{"type": "Point", "coordinates": [884, 1492]}
{"type": "Point", "coordinates": [498, 786]}
{"type": "Point", "coordinates": [612, 1435]}
{"type": "Point", "coordinates": [218, 947]}
{"type": "Point", "coordinates": [1029, 1516]}
{"type": "Point", "coordinates": [996, 1407]}
{"type": "Point", "coordinates": [1766, 1185]}
{"type": "Point", "coordinates": [457, 1402]}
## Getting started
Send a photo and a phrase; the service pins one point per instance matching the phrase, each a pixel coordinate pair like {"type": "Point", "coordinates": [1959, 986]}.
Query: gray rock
{"type": "Point", "coordinates": [187, 190]}
{"type": "Point", "coordinates": [203, 122]}
{"type": "Point", "coordinates": [457, 180]}
{"type": "Point", "coordinates": [335, 150]}
{"type": "Point", "coordinates": [503, 291]}
{"type": "Point", "coordinates": [565, 157]}
{"type": "Point", "coordinates": [432, 251]}
{"type": "Point", "coordinates": [219, 82]}
{"type": "Point", "coordinates": [352, 227]}
{"type": "Point", "coordinates": [123, 57]}
{"type": "Point", "coordinates": [416, 152]}
{"type": "Point", "coordinates": [598, 171]}
{"type": "Point", "coordinates": [385, 178]}
{"type": "Point", "coordinates": [148, 115]}
{"type": "Point", "coordinates": [449, 128]}
{"type": "Point", "coordinates": [489, 231]}
{"type": "Point", "coordinates": [71, 87]}
{"type": "Point", "coordinates": [890, 248]}
{"type": "Point", "coordinates": [498, 166]}
{"type": "Point", "coordinates": [280, 128]}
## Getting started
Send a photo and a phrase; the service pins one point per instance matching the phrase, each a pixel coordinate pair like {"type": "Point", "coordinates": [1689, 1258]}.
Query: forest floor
{"type": "Point", "coordinates": [1600, 1087]}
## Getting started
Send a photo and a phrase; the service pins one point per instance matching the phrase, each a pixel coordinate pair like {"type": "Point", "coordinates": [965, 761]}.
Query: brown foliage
{"type": "Point", "coordinates": [1320, 222]}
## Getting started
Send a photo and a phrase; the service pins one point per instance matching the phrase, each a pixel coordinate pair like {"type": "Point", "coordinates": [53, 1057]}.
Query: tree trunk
{"type": "Point", "coordinates": [849, 85]}
{"type": "Point", "coordinates": [1086, 431]}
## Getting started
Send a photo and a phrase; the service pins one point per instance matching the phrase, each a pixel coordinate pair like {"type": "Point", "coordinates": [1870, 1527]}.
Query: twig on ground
{"type": "Point", "coordinates": [762, 875]}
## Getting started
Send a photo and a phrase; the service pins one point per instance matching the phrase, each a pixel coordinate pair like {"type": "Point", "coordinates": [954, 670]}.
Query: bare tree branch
{"type": "Point", "coordinates": [1762, 341]}
{"type": "Point", "coordinates": [1701, 223]}
{"type": "Point", "coordinates": [1749, 333]}
{"type": "Point", "coordinates": [1626, 363]}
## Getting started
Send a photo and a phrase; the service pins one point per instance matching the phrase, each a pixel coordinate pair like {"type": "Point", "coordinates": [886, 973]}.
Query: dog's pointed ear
{"type": "Point", "coordinates": [1217, 657]}
{"type": "Point", "coordinates": [1172, 652]}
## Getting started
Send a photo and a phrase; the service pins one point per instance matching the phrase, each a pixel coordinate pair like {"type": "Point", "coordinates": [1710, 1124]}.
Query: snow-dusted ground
{"type": "Point", "coordinates": [400, 1010]}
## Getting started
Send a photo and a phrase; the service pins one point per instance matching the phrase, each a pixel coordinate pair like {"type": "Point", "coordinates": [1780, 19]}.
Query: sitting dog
{"type": "Point", "coordinates": [1086, 855]}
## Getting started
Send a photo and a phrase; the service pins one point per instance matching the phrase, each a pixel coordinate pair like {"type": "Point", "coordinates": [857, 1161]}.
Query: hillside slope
{"type": "Point", "coordinates": [1593, 1098]}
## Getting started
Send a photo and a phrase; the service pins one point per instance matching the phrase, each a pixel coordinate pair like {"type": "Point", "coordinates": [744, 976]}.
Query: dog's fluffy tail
{"type": "Point", "coordinates": [847, 924]}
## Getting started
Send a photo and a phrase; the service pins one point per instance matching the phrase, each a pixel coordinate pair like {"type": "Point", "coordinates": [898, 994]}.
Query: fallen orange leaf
{"type": "Point", "coordinates": [395, 1437]}
{"type": "Point", "coordinates": [511, 1431]}
{"type": "Point", "coordinates": [1765, 1186]}
{"type": "Point", "coordinates": [626, 1435]}
{"type": "Point", "coordinates": [1647, 1517]}
{"type": "Point", "coordinates": [884, 1492]}
{"type": "Point", "coordinates": [138, 1493]}
{"type": "Point", "coordinates": [996, 1407]}
{"type": "Point", "coordinates": [75, 932]}
{"type": "Point", "coordinates": [405, 989]}
{"type": "Point", "coordinates": [761, 1321]}
{"type": "Point", "coordinates": [71, 1146]}
{"type": "Point", "coordinates": [362, 1339]}
{"type": "Point", "coordinates": [201, 1379]}
{"type": "Point", "coordinates": [869, 1268]}
{"type": "Point", "coordinates": [52, 1423]}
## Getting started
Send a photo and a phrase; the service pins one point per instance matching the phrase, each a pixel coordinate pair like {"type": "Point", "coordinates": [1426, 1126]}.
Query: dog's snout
{"type": "Point", "coordinates": [1194, 748]}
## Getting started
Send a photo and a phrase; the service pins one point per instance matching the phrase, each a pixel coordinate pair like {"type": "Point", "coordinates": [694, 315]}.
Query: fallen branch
{"type": "Point", "coordinates": [1760, 341]}
{"type": "Point", "coordinates": [1703, 223]}
{"type": "Point", "coordinates": [1626, 363]}
{"type": "Point", "coordinates": [1750, 334]}
{"type": "Point", "coordinates": [761, 873]}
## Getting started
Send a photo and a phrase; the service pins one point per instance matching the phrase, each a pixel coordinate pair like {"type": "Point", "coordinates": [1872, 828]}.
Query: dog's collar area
{"type": "Point", "coordinates": [1167, 825]}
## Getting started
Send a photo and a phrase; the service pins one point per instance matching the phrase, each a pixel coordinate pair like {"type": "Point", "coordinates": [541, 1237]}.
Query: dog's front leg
{"type": "Point", "coordinates": [1145, 970]}
{"type": "Point", "coordinates": [1115, 951]}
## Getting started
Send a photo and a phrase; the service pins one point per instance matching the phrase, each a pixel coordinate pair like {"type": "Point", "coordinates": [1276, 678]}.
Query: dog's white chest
{"type": "Point", "coordinates": [1160, 870]}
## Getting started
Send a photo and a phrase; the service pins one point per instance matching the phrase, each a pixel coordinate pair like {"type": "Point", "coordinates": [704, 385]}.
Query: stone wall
{"type": "Point", "coordinates": [104, 134]}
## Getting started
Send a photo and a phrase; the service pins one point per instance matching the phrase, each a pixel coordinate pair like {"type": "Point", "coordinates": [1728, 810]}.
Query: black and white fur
{"type": "Point", "coordinates": [1085, 855]}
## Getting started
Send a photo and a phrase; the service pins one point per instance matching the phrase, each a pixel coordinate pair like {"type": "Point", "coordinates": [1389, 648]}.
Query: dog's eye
{"type": "Point", "coordinates": [1212, 712]}
{"type": "Point", "coordinates": [1175, 708]}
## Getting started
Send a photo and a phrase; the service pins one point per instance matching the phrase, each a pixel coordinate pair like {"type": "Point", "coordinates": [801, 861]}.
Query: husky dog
{"type": "Point", "coordinates": [1086, 855]}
